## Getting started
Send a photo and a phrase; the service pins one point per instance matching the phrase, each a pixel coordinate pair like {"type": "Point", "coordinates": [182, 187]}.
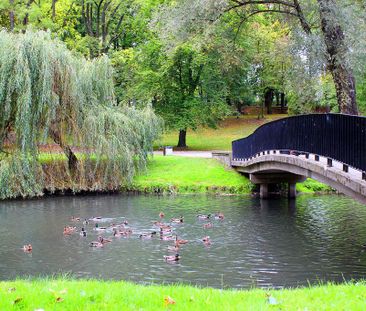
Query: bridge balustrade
{"type": "Point", "coordinates": [335, 136]}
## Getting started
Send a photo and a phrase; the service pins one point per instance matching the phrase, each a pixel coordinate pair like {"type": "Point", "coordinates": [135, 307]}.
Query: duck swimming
{"type": "Point", "coordinates": [172, 258]}
{"type": "Point", "coordinates": [206, 240]}
{"type": "Point", "coordinates": [95, 218]}
{"type": "Point", "coordinates": [27, 248]}
{"type": "Point", "coordinates": [69, 230]}
{"type": "Point", "coordinates": [147, 236]}
{"type": "Point", "coordinates": [219, 216]}
{"type": "Point", "coordinates": [85, 222]}
{"type": "Point", "coordinates": [180, 242]}
{"type": "Point", "coordinates": [203, 217]}
{"type": "Point", "coordinates": [97, 228]}
{"type": "Point", "coordinates": [75, 218]}
{"type": "Point", "coordinates": [208, 225]}
{"type": "Point", "coordinates": [177, 220]}
{"type": "Point", "coordinates": [83, 232]}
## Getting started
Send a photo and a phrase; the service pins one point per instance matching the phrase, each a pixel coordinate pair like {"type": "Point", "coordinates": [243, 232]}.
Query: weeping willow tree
{"type": "Point", "coordinates": [48, 94]}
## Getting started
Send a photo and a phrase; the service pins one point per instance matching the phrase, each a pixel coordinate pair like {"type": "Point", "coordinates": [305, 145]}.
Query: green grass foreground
{"type": "Point", "coordinates": [176, 174]}
{"type": "Point", "coordinates": [66, 294]}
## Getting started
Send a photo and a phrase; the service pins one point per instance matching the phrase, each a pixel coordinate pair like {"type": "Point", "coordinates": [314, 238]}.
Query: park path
{"type": "Point", "coordinates": [191, 154]}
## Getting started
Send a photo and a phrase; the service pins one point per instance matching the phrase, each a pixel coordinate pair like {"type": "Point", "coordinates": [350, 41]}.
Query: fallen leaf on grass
{"type": "Point", "coordinates": [169, 301]}
{"type": "Point", "coordinates": [59, 299]}
{"type": "Point", "coordinates": [19, 299]}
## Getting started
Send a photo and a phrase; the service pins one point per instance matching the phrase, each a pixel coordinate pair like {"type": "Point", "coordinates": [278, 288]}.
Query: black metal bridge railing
{"type": "Point", "coordinates": [335, 136]}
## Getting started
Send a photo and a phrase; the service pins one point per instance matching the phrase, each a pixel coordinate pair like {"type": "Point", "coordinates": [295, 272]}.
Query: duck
{"type": "Point", "coordinates": [95, 218]}
{"type": "Point", "coordinates": [219, 216]}
{"type": "Point", "coordinates": [180, 242]}
{"type": "Point", "coordinates": [177, 220]}
{"type": "Point", "coordinates": [208, 225]}
{"type": "Point", "coordinates": [206, 240]}
{"type": "Point", "coordinates": [203, 217]}
{"type": "Point", "coordinates": [97, 228]}
{"type": "Point", "coordinates": [83, 232]}
{"type": "Point", "coordinates": [147, 236]}
{"type": "Point", "coordinates": [165, 230]}
{"type": "Point", "coordinates": [85, 222]}
{"type": "Point", "coordinates": [167, 237]}
{"type": "Point", "coordinates": [172, 258]}
{"type": "Point", "coordinates": [27, 248]}
{"type": "Point", "coordinates": [96, 244]}
{"type": "Point", "coordinates": [69, 230]}
{"type": "Point", "coordinates": [75, 218]}
{"type": "Point", "coordinates": [116, 233]}
{"type": "Point", "coordinates": [161, 215]}
{"type": "Point", "coordinates": [103, 240]}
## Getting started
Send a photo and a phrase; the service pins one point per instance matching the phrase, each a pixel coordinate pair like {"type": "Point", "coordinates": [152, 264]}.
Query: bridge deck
{"type": "Point", "coordinates": [316, 167]}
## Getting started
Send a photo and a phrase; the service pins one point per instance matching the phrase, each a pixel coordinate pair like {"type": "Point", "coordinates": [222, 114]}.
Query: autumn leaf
{"type": "Point", "coordinates": [169, 301]}
{"type": "Point", "coordinates": [59, 299]}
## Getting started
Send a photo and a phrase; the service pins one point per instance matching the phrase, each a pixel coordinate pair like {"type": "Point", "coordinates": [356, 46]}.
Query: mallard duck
{"type": "Point", "coordinates": [27, 248]}
{"type": "Point", "coordinates": [179, 242]}
{"type": "Point", "coordinates": [177, 220]}
{"type": "Point", "coordinates": [208, 225]}
{"type": "Point", "coordinates": [206, 240]}
{"type": "Point", "coordinates": [171, 258]}
{"type": "Point", "coordinates": [203, 217]}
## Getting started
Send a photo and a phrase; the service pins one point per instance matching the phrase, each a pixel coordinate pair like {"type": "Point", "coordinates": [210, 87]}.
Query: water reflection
{"type": "Point", "coordinates": [260, 243]}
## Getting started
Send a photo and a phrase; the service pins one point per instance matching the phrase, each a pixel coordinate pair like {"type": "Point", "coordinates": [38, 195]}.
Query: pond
{"type": "Point", "coordinates": [273, 243]}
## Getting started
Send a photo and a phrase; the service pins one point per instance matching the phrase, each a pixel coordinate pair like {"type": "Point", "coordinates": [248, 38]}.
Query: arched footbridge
{"type": "Point", "coordinates": [330, 148]}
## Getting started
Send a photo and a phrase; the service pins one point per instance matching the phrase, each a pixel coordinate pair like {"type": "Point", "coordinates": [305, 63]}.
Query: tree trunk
{"type": "Point", "coordinates": [11, 15]}
{"type": "Point", "coordinates": [268, 100]}
{"type": "Point", "coordinates": [53, 10]}
{"type": "Point", "coordinates": [283, 102]}
{"type": "Point", "coordinates": [337, 58]}
{"type": "Point", "coordinates": [182, 139]}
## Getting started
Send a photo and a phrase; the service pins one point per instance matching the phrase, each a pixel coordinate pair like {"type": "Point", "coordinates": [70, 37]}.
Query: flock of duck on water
{"type": "Point", "coordinates": [165, 232]}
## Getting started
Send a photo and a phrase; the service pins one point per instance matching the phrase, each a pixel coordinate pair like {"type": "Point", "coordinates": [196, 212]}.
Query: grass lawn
{"type": "Point", "coordinates": [220, 138]}
{"type": "Point", "coordinates": [186, 175]}
{"type": "Point", "coordinates": [99, 295]}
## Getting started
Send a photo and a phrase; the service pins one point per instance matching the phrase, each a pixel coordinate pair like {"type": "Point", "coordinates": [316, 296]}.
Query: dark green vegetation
{"type": "Point", "coordinates": [97, 295]}
{"type": "Point", "coordinates": [198, 61]}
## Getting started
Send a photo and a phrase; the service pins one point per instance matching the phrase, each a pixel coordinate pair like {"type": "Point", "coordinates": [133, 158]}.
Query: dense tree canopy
{"type": "Point", "coordinates": [196, 61]}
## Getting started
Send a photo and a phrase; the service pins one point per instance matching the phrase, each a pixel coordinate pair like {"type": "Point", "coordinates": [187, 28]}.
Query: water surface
{"type": "Point", "coordinates": [266, 244]}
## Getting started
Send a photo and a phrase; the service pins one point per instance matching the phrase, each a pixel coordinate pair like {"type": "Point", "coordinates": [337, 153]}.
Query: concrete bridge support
{"type": "Point", "coordinates": [264, 179]}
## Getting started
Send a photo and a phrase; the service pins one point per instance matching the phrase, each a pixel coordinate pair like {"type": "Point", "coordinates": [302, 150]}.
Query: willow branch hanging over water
{"type": "Point", "coordinates": [48, 94]}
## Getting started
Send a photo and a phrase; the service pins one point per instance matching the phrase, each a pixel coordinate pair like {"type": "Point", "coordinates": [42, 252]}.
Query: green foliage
{"type": "Point", "coordinates": [46, 93]}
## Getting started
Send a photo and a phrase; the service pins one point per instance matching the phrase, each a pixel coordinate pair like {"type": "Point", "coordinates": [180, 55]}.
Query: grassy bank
{"type": "Point", "coordinates": [100, 295]}
{"type": "Point", "coordinates": [174, 174]}
{"type": "Point", "coordinates": [218, 139]}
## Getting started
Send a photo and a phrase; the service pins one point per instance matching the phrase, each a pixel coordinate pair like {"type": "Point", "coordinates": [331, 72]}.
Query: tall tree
{"type": "Point", "coordinates": [327, 11]}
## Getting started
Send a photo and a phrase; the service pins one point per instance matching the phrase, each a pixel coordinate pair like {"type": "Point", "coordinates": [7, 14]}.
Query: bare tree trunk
{"type": "Point", "coordinates": [337, 59]}
{"type": "Point", "coordinates": [182, 139]}
{"type": "Point", "coordinates": [11, 15]}
{"type": "Point", "coordinates": [53, 7]}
